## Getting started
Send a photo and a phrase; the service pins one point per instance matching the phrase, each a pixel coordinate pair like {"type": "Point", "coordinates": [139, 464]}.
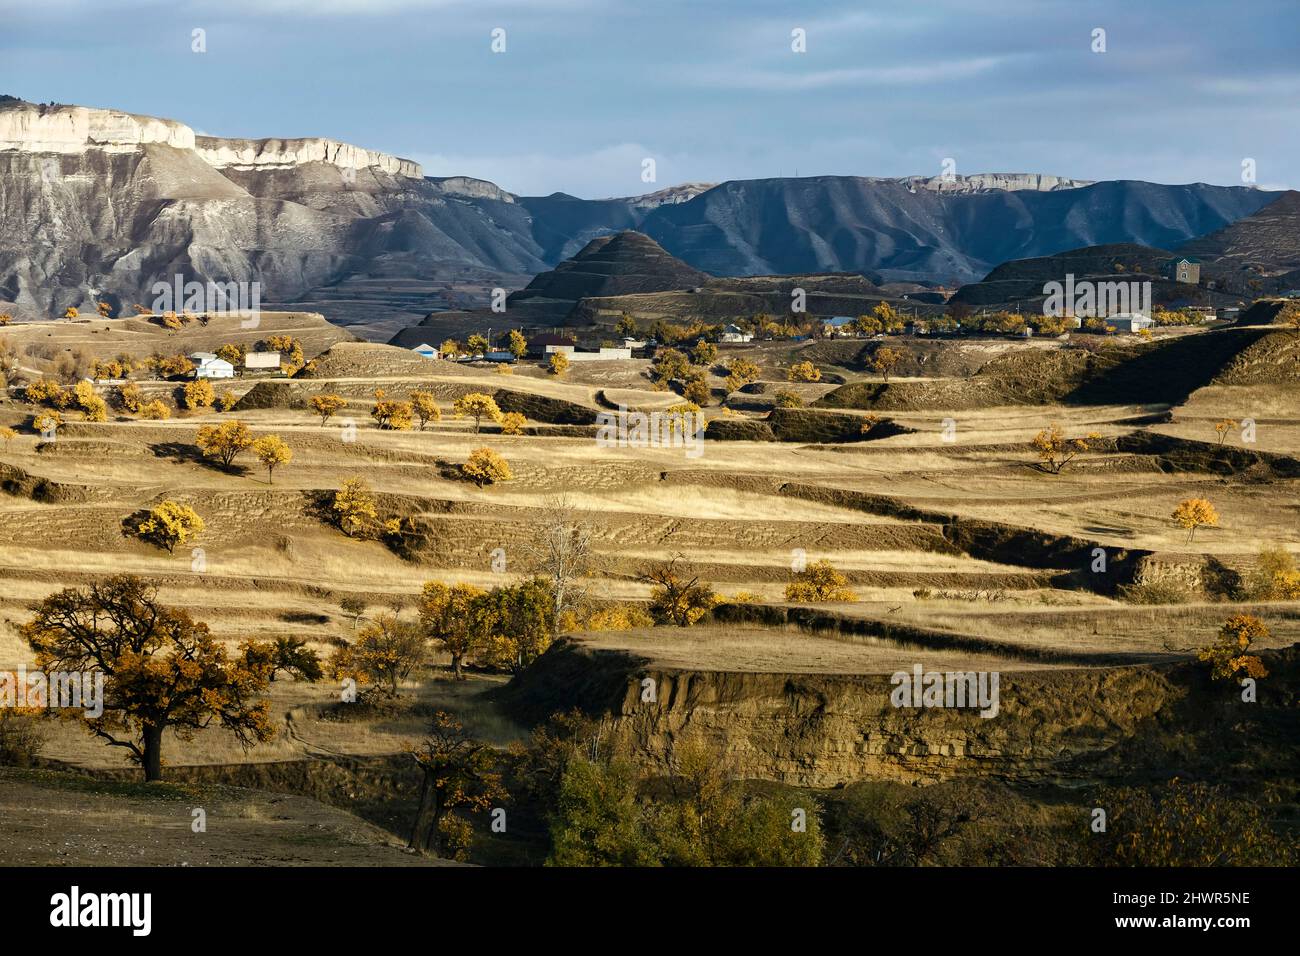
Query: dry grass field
{"type": "Point", "coordinates": [886, 513]}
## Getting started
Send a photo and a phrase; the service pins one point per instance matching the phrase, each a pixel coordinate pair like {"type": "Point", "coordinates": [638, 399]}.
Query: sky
{"type": "Point", "coordinates": [585, 91]}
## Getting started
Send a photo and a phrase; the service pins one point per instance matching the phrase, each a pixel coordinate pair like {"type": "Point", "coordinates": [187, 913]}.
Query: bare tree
{"type": "Point", "coordinates": [560, 551]}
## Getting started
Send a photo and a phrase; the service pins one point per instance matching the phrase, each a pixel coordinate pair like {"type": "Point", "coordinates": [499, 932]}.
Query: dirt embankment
{"type": "Point", "coordinates": [1100, 373]}
{"type": "Point", "coordinates": [805, 426]}
{"type": "Point", "coordinates": [827, 730]}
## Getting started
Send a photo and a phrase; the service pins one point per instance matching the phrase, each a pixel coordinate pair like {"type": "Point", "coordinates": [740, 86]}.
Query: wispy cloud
{"type": "Point", "coordinates": [791, 79]}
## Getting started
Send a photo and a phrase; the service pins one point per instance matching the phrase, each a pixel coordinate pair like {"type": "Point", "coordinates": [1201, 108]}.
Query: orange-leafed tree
{"type": "Point", "coordinates": [162, 670]}
{"type": "Point", "coordinates": [1193, 513]}
{"type": "Point", "coordinates": [1228, 657]}
{"type": "Point", "coordinates": [460, 776]}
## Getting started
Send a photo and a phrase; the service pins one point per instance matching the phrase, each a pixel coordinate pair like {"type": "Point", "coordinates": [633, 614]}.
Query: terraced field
{"type": "Point", "coordinates": [954, 541]}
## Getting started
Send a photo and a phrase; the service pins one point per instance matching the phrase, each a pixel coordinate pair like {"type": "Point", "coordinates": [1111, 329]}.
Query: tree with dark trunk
{"type": "Point", "coordinates": [160, 669]}
{"type": "Point", "coordinates": [459, 775]}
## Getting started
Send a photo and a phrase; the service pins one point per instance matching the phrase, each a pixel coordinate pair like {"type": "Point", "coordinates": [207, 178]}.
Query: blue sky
{"type": "Point", "coordinates": [587, 89]}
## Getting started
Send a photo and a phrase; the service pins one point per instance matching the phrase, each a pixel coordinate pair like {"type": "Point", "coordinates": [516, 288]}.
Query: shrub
{"type": "Point", "coordinates": [512, 423]}
{"type": "Point", "coordinates": [819, 581]}
{"type": "Point", "coordinates": [1227, 656]}
{"type": "Point", "coordinates": [22, 734]}
{"type": "Point", "coordinates": [198, 394]}
{"type": "Point", "coordinates": [803, 372]}
{"type": "Point", "coordinates": [486, 467]}
{"type": "Point", "coordinates": [155, 410]}
{"type": "Point", "coordinates": [170, 524]}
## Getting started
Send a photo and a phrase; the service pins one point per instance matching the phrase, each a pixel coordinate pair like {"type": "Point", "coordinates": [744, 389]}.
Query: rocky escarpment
{"type": "Point", "coordinates": [288, 153]}
{"type": "Point", "coordinates": [827, 730]}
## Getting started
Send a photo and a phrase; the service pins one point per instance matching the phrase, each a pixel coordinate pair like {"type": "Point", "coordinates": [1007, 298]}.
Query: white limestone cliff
{"type": "Point", "coordinates": [27, 127]}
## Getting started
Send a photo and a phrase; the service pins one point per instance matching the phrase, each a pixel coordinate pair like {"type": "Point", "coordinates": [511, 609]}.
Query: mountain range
{"type": "Point", "coordinates": [97, 205]}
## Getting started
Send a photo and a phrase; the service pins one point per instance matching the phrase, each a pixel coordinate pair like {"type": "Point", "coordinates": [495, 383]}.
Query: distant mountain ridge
{"type": "Point", "coordinates": [100, 204]}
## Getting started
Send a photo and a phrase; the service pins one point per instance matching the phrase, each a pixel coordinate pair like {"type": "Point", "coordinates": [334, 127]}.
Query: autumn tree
{"type": "Point", "coordinates": [1223, 427]}
{"type": "Point", "coordinates": [7, 435]}
{"type": "Point", "coordinates": [172, 366]}
{"type": "Point", "coordinates": [396, 416]}
{"type": "Point", "coordinates": [517, 344]}
{"type": "Point", "coordinates": [447, 615]}
{"type": "Point", "coordinates": [169, 524]}
{"type": "Point", "coordinates": [1193, 513]}
{"type": "Point", "coordinates": [625, 326]}
{"type": "Point", "coordinates": [426, 408]}
{"type": "Point", "coordinates": [92, 405]}
{"type": "Point", "coordinates": [198, 394]}
{"type": "Point", "coordinates": [232, 353]}
{"type": "Point", "coordinates": [486, 467]}
{"type": "Point", "coordinates": [512, 423]}
{"type": "Point", "coordinates": [517, 623]}
{"type": "Point", "coordinates": [326, 405]}
{"type": "Point", "coordinates": [272, 451]}
{"type": "Point", "coordinates": [669, 364]}
{"type": "Point", "coordinates": [477, 406]}
{"type": "Point", "coordinates": [819, 581]}
{"type": "Point", "coordinates": [785, 398]}
{"type": "Point", "coordinates": [354, 508]}
{"type": "Point", "coordinates": [477, 344]}
{"type": "Point", "coordinates": [286, 653]}
{"type": "Point", "coordinates": [1275, 577]}
{"type": "Point", "coordinates": [459, 776]}
{"type": "Point", "coordinates": [888, 317]}
{"type": "Point", "coordinates": [450, 348]}
{"type": "Point", "coordinates": [384, 654]}
{"type": "Point", "coordinates": [677, 595]}
{"type": "Point", "coordinates": [289, 347]}
{"type": "Point", "coordinates": [704, 353]}
{"type": "Point", "coordinates": [559, 364]}
{"type": "Point", "coordinates": [695, 388]}
{"type": "Point", "coordinates": [885, 360]}
{"type": "Point", "coordinates": [803, 372]}
{"type": "Point", "coordinates": [162, 670]}
{"type": "Point", "coordinates": [71, 312]}
{"type": "Point", "coordinates": [156, 410]}
{"type": "Point", "coordinates": [1184, 824]}
{"type": "Point", "coordinates": [223, 442]}
{"type": "Point", "coordinates": [740, 372]}
{"type": "Point", "coordinates": [1055, 451]}
{"type": "Point", "coordinates": [1228, 657]}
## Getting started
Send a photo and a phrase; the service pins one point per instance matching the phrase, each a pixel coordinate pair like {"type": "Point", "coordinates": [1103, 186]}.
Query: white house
{"type": "Point", "coordinates": [603, 354]}
{"type": "Point", "coordinates": [732, 334]}
{"type": "Point", "coordinates": [207, 365]}
{"type": "Point", "coordinates": [1129, 321]}
{"type": "Point", "coordinates": [262, 362]}
{"type": "Point", "coordinates": [839, 325]}
{"type": "Point", "coordinates": [426, 350]}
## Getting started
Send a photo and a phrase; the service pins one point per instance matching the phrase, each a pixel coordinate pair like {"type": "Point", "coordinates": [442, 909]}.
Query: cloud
{"type": "Point", "coordinates": [791, 80]}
